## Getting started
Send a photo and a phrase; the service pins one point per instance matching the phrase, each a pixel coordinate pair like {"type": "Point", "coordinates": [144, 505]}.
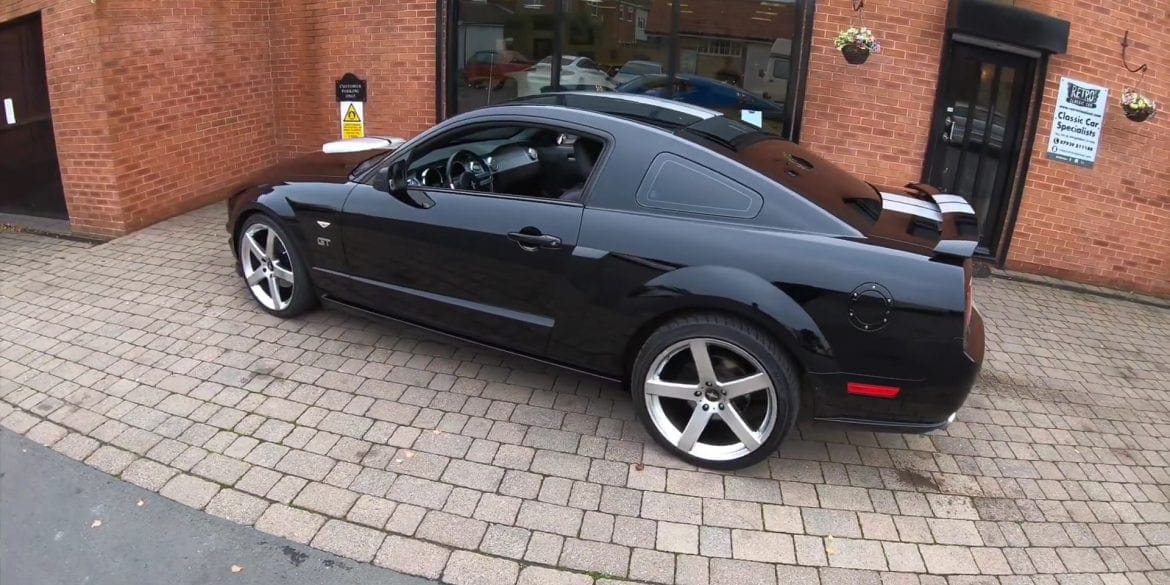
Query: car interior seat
{"type": "Point", "coordinates": [585, 151]}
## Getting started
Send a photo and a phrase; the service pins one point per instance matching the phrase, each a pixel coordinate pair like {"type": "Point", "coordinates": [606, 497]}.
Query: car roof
{"type": "Point", "coordinates": [655, 111]}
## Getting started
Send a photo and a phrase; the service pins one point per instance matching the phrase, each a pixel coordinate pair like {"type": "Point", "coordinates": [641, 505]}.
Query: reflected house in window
{"type": "Point", "coordinates": [734, 56]}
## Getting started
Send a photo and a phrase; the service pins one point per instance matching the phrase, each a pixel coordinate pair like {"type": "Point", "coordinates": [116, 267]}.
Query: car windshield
{"type": "Point", "coordinates": [633, 68]}
{"type": "Point", "coordinates": [823, 183]}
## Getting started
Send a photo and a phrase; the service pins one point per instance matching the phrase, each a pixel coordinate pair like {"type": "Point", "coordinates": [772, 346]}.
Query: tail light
{"type": "Point", "coordinates": [969, 303]}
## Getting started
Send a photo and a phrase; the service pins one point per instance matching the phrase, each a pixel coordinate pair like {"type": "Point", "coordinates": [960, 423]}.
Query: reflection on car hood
{"type": "Point", "coordinates": [317, 167]}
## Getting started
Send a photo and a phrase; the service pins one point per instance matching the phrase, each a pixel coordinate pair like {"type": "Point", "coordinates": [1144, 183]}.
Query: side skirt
{"type": "Point", "coordinates": [362, 312]}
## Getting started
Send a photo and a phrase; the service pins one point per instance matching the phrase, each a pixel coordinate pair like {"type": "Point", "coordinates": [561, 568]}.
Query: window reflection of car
{"type": "Point", "coordinates": [956, 126]}
{"type": "Point", "coordinates": [708, 93]}
{"type": "Point", "coordinates": [493, 67]}
{"type": "Point", "coordinates": [577, 74]}
{"type": "Point", "coordinates": [634, 69]}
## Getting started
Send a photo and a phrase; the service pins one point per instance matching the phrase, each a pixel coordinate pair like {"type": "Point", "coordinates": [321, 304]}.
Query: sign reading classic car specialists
{"type": "Point", "coordinates": [1076, 125]}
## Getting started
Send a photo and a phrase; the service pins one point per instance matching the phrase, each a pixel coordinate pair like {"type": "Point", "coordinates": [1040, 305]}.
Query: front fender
{"type": "Point", "coordinates": [743, 293]}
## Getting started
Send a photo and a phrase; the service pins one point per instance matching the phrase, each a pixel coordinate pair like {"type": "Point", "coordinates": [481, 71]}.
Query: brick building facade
{"type": "Point", "coordinates": [158, 106]}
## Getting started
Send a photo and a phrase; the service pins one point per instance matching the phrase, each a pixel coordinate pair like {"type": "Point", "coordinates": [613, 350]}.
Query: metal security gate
{"type": "Point", "coordinates": [30, 177]}
{"type": "Point", "coordinates": [975, 145]}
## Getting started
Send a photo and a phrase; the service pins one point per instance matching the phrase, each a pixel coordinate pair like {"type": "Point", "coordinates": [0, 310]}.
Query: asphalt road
{"type": "Point", "coordinates": [48, 505]}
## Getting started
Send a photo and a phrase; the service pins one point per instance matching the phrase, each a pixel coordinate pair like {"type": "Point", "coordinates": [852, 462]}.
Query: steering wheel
{"type": "Point", "coordinates": [476, 174]}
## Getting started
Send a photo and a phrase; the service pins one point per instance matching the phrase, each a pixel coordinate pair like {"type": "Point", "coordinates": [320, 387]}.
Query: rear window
{"type": "Point", "coordinates": [680, 184]}
{"type": "Point", "coordinates": [823, 183]}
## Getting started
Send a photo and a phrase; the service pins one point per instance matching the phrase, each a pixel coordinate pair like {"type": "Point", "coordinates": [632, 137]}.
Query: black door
{"type": "Point", "coordinates": [29, 172]}
{"type": "Point", "coordinates": [978, 128]}
{"type": "Point", "coordinates": [467, 263]}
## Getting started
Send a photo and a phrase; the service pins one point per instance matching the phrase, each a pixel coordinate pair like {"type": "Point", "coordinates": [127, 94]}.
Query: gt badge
{"type": "Point", "coordinates": [323, 242]}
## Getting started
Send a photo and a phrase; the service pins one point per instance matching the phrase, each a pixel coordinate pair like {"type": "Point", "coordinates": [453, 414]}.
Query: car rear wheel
{"type": "Point", "coordinates": [716, 391]}
{"type": "Point", "coordinates": [272, 269]}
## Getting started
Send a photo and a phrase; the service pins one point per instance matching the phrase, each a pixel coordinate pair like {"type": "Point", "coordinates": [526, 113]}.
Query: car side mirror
{"type": "Point", "coordinates": [391, 179]}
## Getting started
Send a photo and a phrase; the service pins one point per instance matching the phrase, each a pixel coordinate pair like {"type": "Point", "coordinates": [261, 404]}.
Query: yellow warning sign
{"type": "Point", "coordinates": [352, 125]}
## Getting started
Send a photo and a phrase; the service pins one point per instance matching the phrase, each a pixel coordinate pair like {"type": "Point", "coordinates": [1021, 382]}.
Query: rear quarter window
{"type": "Point", "coordinates": [680, 184]}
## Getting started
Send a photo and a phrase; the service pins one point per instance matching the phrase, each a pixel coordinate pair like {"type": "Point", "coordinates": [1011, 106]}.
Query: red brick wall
{"type": "Point", "coordinates": [389, 43]}
{"type": "Point", "coordinates": [188, 87]}
{"type": "Point", "coordinates": [1107, 225]}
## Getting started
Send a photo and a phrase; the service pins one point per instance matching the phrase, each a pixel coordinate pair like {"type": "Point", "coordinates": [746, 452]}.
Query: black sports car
{"type": "Point", "coordinates": [726, 276]}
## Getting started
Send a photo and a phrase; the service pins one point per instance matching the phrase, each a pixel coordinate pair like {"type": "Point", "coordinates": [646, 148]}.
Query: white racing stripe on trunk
{"type": "Point", "coordinates": [910, 206]}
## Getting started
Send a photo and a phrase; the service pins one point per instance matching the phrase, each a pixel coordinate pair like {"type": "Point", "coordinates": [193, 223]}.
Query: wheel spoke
{"type": "Point", "coordinates": [746, 385]}
{"type": "Point", "coordinates": [695, 426]}
{"type": "Point", "coordinates": [270, 246]}
{"type": "Point", "coordinates": [702, 361]}
{"type": "Point", "coordinates": [254, 248]}
{"type": "Point", "coordinates": [283, 274]}
{"type": "Point", "coordinates": [272, 286]}
{"type": "Point", "coordinates": [671, 389]}
{"type": "Point", "coordinates": [255, 278]}
{"type": "Point", "coordinates": [735, 422]}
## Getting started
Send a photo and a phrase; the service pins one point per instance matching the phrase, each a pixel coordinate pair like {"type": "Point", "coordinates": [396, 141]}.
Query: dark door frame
{"type": "Point", "coordinates": [1021, 154]}
{"type": "Point", "coordinates": [35, 187]}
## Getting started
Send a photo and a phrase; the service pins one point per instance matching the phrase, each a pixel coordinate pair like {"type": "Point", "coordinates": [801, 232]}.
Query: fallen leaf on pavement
{"type": "Point", "coordinates": [141, 503]}
{"type": "Point", "coordinates": [95, 524]}
{"type": "Point", "coordinates": [237, 568]}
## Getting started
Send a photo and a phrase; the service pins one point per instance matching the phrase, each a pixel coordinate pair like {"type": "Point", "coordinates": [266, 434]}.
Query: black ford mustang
{"type": "Point", "coordinates": [727, 276]}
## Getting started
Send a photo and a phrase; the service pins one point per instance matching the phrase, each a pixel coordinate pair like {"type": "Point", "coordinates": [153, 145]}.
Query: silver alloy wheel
{"type": "Point", "coordinates": [267, 266]}
{"type": "Point", "coordinates": [731, 397]}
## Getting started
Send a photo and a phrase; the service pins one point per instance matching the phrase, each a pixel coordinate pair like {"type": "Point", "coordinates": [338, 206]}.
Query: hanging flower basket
{"type": "Point", "coordinates": [1136, 106]}
{"type": "Point", "coordinates": [856, 43]}
{"type": "Point", "coordinates": [855, 55]}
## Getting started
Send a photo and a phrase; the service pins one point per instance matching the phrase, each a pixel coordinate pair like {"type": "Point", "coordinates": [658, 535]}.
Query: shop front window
{"type": "Point", "coordinates": [734, 56]}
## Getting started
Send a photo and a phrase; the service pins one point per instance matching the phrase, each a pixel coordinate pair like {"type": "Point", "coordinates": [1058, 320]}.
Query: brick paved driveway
{"type": "Point", "coordinates": [145, 358]}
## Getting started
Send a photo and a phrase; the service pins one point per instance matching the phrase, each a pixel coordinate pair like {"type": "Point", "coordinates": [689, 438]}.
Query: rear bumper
{"type": "Point", "coordinates": [922, 405]}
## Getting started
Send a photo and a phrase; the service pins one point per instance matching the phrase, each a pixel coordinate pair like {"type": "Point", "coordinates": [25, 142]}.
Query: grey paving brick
{"type": "Point", "coordinates": [584, 555]}
{"type": "Point", "coordinates": [473, 475]}
{"type": "Point", "coordinates": [452, 530]}
{"type": "Point", "coordinates": [420, 492]}
{"type": "Point", "coordinates": [291, 523]}
{"type": "Point", "coordinates": [371, 511]}
{"type": "Point", "coordinates": [756, 545]}
{"type": "Point", "coordinates": [651, 566]}
{"type": "Point", "coordinates": [237, 506]}
{"type": "Point", "coordinates": [413, 557]}
{"type": "Point", "coordinates": [948, 560]}
{"type": "Point", "coordinates": [731, 572]}
{"type": "Point", "coordinates": [325, 499]}
{"type": "Point", "coordinates": [349, 540]}
{"type": "Point", "coordinates": [533, 575]}
{"type": "Point", "coordinates": [189, 490]}
{"type": "Point", "coordinates": [550, 518]}
{"type": "Point", "coordinates": [837, 523]}
{"type": "Point", "coordinates": [675, 537]}
{"type": "Point", "coordinates": [505, 541]}
{"type": "Point", "coordinates": [672, 508]}
{"type": "Point", "coordinates": [544, 547]}
{"type": "Point", "coordinates": [468, 568]}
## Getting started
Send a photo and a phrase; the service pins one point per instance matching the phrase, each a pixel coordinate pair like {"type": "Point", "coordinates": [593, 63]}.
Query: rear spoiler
{"type": "Point", "coordinates": [958, 224]}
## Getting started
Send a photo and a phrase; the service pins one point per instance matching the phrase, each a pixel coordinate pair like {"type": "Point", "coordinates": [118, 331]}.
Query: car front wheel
{"type": "Point", "coordinates": [716, 391]}
{"type": "Point", "coordinates": [272, 269]}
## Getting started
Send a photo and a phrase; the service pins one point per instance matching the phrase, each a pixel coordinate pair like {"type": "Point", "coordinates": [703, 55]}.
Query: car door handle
{"type": "Point", "coordinates": [531, 242]}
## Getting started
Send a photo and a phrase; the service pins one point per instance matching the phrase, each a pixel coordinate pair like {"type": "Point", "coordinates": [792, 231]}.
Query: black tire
{"type": "Point", "coordinates": [743, 335]}
{"type": "Point", "coordinates": [304, 295]}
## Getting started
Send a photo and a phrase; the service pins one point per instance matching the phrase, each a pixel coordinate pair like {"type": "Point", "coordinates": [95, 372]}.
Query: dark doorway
{"type": "Point", "coordinates": [980, 117]}
{"type": "Point", "coordinates": [29, 172]}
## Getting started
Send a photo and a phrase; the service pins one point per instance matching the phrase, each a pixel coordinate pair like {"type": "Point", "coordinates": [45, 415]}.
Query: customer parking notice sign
{"type": "Point", "coordinates": [1077, 122]}
{"type": "Point", "coordinates": [352, 124]}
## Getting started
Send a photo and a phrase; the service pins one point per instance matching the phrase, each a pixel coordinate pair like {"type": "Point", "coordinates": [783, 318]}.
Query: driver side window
{"type": "Point", "coordinates": [542, 162]}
